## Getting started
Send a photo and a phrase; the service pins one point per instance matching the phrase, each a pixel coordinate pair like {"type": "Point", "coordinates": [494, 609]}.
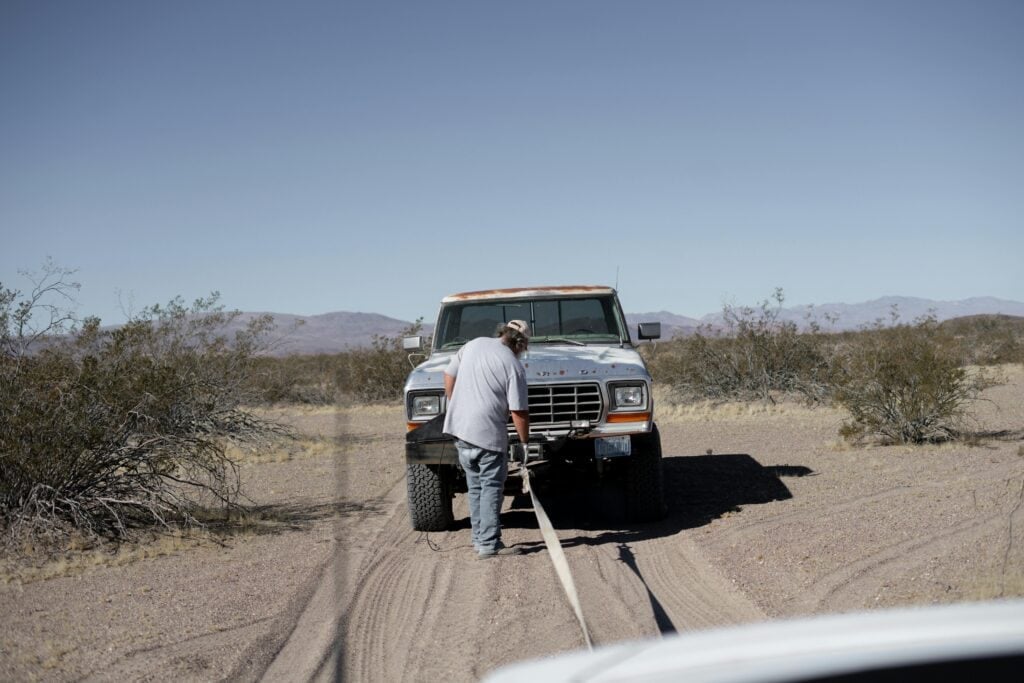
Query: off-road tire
{"type": "Point", "coordinates": [645, 489]}
{"type": "Point", "coordinates": [430, 495]}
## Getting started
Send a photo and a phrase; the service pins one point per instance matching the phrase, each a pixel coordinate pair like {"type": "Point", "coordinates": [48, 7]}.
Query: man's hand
{"type": "Point", "coordinates": [519, 451]}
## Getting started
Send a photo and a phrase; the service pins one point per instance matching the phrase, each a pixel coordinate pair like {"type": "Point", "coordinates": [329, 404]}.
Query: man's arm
{"type": "Point", "coordinates": [521, 421]}
{"type": "Point", "coordinates": [449, 385]}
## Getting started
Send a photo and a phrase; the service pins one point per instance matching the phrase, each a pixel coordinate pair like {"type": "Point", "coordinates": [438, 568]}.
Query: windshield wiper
{"type": "Point", "coordinates": [557, 340]}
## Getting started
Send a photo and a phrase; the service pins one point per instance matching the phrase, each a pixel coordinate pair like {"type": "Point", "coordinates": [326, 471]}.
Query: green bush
{"type": "Point", "coordinates": [103, 431]}
{"type": "Point", "coordinates": [906, 384]}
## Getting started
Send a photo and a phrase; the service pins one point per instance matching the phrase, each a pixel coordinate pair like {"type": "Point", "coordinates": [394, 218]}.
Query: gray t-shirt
{"type": "Point", "coordinates": [490, 381]}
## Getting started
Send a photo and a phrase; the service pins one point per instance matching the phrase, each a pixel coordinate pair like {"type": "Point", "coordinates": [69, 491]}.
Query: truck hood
{"type": "Point", "coordinates": [547, 363]}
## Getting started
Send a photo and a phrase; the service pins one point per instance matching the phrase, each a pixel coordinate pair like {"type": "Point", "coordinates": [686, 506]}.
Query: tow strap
{"type": "Point", "coordinates": [554, 547]}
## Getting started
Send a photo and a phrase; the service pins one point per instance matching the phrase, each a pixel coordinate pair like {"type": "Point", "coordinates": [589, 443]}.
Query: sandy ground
{"type": "Point", "coordinates": [770, 516]}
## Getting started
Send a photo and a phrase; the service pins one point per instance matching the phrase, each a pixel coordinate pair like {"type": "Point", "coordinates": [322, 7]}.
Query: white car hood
{"type": "Point", "coordinates": [826, 647]}
{"type": "Point", "coordinates": [548, 363]}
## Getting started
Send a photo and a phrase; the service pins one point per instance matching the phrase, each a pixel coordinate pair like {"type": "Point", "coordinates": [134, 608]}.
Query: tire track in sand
{"type": "Point", "coordinates": [900, 557]}
{"type": "Point", "coordinates": [432, 611]}
{"type": "Point", "coordinates": [848, 587]}
{"type": "Point", "coordinates": [693, 592]}
{"type": "Point", "coordinates": [418, 610]}
{"type": "Point", "coordinates": [312, 648]}
{"type": "Point", "coordinates": [859, 502]}
{"type": "Point", "coordinates": [398, 594]}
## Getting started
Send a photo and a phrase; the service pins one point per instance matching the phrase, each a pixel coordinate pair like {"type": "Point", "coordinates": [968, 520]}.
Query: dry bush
{"type": "Point", "coordinates": [103, 431]}
{"type": "Point", "coordinates": [378, 373]}
{"type": "Point", "coordinates": [303, 380]}
{"type": "Point", "coordinates": [371, 375]}
{"type": "Point", "coordinates": [756, 357]}
{"type": "Point", "coordinates": [988, 339]}
{"type": "Point", "coordinates": [906, 384]}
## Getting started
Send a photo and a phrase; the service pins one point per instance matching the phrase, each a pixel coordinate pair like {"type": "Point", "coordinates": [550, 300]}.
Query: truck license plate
{"type": "Point", "coordinates": [612, 447]}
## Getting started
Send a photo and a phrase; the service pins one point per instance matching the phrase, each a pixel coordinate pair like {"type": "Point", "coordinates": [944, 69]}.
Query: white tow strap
{"type": "Point", "coordinates": [557, 555]}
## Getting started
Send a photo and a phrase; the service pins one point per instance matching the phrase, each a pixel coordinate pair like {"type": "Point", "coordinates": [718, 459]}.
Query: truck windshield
{"type": "Point", "coordinates": [572, 320]}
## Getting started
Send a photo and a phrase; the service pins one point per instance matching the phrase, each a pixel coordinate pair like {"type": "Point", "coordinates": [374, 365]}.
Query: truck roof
{"type": "Point", "coordinates": [520, 292]}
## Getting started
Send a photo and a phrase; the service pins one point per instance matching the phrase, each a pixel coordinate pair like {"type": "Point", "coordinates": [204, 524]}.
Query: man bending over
{"type": "Point", "coordinates": [484, 382]}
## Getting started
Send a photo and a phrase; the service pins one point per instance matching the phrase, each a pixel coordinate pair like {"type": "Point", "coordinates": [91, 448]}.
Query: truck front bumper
{"type": "Point", "coordinates": [432, 452]}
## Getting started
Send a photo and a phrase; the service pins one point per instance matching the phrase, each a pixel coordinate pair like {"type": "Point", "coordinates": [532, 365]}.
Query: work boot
{"type": "Point", "coordinates": [500, 551]}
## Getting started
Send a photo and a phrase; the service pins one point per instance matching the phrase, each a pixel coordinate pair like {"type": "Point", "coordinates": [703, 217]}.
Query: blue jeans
{"type": "Point", "coordinates": [485, 475]}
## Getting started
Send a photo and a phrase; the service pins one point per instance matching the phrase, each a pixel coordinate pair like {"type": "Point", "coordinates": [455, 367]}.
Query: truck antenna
{"type": "Point", "coordinates": [616, 278]}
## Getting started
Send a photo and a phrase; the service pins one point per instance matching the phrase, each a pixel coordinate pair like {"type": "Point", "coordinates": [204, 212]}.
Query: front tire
{"type": "Point", "coordinates": [430, 493]}
{"type": "Point", "coordinates": [645, 488]}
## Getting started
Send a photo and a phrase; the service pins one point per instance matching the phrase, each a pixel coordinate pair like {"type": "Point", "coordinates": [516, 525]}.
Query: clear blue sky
{"type": "Point", "coordinates": [306, 157]}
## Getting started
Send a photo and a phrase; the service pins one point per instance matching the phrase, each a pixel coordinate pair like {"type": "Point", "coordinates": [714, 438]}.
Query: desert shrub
{"type": "Point", "coordinates": [756, 356]}
{"type": "Point", "coordinates": [906, 383]}
{"type": "Point", "coordinates": [304, 380]}
{"type": "Point", "coordinates": [377, 373]}
{"type": "Point", "coordinates": [989, 339]}
{"type": "Point", "coordinates": [362, 375]}
{"type": "Point", "coordinates": [106, 430]}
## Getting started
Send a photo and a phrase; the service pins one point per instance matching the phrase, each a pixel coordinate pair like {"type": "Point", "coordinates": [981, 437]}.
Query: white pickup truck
{"type": "Point", "coordinates": [589, 393]}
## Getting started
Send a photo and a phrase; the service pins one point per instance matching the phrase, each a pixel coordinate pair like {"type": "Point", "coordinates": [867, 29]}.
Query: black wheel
{"type": "Point", "coordinates": [645, 490]}
{"type": "Point", "coordinates": [430, 494]}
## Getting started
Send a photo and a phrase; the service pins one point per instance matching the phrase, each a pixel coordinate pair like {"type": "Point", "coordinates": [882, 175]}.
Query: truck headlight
{"type": "Point", "coordinates": [629, 397]}
{"type": "Point", "coordinates": [424, 406]}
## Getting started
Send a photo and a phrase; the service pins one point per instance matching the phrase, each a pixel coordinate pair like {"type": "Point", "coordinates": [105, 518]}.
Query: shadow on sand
{"type": "Point", "coordinates": [698, 489]}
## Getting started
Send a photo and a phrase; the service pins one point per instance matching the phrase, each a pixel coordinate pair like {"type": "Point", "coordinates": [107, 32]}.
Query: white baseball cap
{"type": "Point", "coordinates": [520, 326]}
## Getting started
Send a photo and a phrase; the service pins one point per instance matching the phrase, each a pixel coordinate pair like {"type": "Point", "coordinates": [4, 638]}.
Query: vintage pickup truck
{"type": "Point", "coordinates": [589, 395]}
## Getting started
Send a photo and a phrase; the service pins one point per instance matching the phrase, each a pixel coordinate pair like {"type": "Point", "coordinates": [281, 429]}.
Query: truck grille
{"type": "Point", "coordinates": [560, 403]}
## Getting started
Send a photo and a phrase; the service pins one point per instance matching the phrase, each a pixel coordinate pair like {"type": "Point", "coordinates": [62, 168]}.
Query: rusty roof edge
{"type": "Point", "coordinates": [514, 292]}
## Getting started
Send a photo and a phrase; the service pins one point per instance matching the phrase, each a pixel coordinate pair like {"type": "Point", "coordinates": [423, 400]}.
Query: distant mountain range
{"type": "Point", "coordinates": [328, 332]}
{"type": "Point", "coordinates": [341, 331]}
{"type": "Point", "coordinates": [839, 317]}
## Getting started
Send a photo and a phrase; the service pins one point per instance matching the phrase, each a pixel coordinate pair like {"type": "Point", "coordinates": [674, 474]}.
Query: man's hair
{"type": "Point", "coordinates": [512, 338]}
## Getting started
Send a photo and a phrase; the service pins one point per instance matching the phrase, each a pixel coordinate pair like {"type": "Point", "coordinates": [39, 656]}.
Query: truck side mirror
{"type": "Point", "coordinates": [412, 343]}
{"type": "Point", "coordinates": [648, 331]}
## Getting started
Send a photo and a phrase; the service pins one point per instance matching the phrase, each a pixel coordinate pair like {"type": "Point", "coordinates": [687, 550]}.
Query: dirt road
{"type": "Point", "coordinates": [423, 607]}
{"type": "Point", "coordinates": [769, 516]}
